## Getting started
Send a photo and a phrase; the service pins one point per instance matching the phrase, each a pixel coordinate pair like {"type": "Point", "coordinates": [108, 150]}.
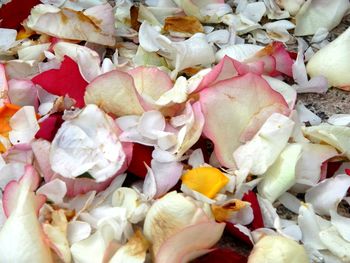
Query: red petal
{"type": "Point", "coordinates": [332, 167]}
{"type": "Point", "coordinates": [49, 127]}
{"type": "Point", "coordinates": [141, 154]}
{"type": "Point", "coordinates": [234, 231]}
{"type": "Point", "coordinates": [13, 13]}
{"type": "Point", "coordinates": [221, 255]}
{"type": "Point", "coordinates": [347, 171]}
{"type": "Point", "coordinates": [64, 81]}
{"type": "Point", "coordinates": [258, 219]}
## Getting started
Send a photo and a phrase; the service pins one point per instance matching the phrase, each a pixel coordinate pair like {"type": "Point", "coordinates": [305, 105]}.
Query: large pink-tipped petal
{"type": "Point", "coordinates": [21, 237]}
{"type": "Point", "coordinates": [222, 71]}
{"type": "Point", "coordinates": [229, 107]}
{"type": "Point", "coordinates": [114, 92]}
{"type": "Point", "coordinates": [188, 241]}
{"type": "Point", "coordinates": [150, 83]}
{"type": "Point", "coordinates": [11, 191]}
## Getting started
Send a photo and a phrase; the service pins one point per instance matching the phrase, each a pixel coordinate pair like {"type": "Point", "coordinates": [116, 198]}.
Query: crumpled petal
{"type": "Point", "coordinates": [326, 195]}
{"type": "Point", "coordinates": [96, 149]}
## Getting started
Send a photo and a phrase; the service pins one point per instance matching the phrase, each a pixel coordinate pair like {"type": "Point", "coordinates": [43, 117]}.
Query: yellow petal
{"type": "Point", "coordinates": [205, 180]}
{"type": "Point", "coordinates": [223, 212]}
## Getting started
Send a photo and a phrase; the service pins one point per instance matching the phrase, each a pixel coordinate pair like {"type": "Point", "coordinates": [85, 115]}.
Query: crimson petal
{"type": "Point", "coordinates": [49, 127]}
{"type": "Point", "coordinates": [64, 81]}
{"type": "Point", "coordinates": [13, 13]}
{"type": "Point", "coordinates": [258, 219]}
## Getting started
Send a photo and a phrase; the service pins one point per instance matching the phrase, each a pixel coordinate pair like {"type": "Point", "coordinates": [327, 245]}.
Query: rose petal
{"type": "Point", "coordinates": [64, 81]}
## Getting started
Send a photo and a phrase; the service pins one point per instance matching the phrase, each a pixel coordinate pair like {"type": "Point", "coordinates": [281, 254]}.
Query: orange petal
{"type": "Point", "coordinates": [6, 112]}
{"type": "Point", "coordinates": [205, 180]}
{"type": "Point", "coordinates": [185, 24]}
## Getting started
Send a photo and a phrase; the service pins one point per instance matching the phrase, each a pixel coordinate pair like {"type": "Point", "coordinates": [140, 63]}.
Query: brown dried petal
{"type": "Point", "coordinates": [185, 24]}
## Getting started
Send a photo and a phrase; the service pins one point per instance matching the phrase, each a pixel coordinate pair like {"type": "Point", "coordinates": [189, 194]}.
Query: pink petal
{"type": "Point", "coordinates": [150, 83]}
{"type": "Point", "coordinates": [188, 241]}
{"type": "Point", "coordinates": [229, 108]}
{"type": "Point", "coordinates": [11, 191]}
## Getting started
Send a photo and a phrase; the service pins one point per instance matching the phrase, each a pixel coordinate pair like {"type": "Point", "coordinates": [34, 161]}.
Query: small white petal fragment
{"type": "Point", "coordinates": [54, 190]}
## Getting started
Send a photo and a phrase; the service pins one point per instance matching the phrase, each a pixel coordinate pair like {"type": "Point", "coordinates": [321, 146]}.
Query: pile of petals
{"type": "Point", "coordinates": [141, 132]}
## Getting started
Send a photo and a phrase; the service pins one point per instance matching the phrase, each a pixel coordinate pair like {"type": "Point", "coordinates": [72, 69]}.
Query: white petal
{"type": "Point", "coordinates": [281, 175]}
{"type": "Point", "coordinates": [309, 226]}
{"type": "Point", "coordinates": [23, 93]}
{"type": "Point", "coordinates": [305, 115]}
{"type": "Point", "coordinates": [308, 170]}
{"type": "Point", "coordinates": [196, 158]}
{"type": "Point", "coordinates": [342, 224]}
{"type": "Point", "coordinates": [339, 119]}
{"type": "Point", "coordinates": [260, 153]}
{"type": "Point", "coordinates": [35, 52]}
{"type": "Point", "coordinates": [77, 230]}
{"type": "Point", "coordinates": [336, 136]}
{"type": "Point", "coordinates": [336, 244]}
{"type": "Point", "coordinates": [54, 190]}
{"type": "Point", "coordinates": [24, 125]}
{"type": "Point", "coordinates": [315, 14]}
{"type": "Point", "coordinates": [239, 52]}
{"type": "Point", "coordinates": [290, 202]}
{"type": "Point", "coordinates": [326, 195]}
{"type": "Point", "coordinates": [7, 38]}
